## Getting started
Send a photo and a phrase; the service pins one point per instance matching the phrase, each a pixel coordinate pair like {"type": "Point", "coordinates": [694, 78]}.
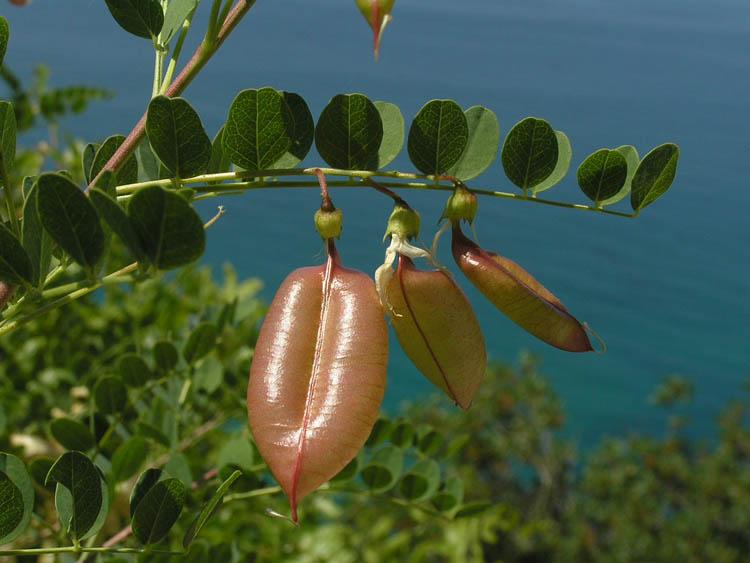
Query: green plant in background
{"type": "Point", "coordinates": [432, 484]}
{"type": "Point", "coordinates": [147, 376]}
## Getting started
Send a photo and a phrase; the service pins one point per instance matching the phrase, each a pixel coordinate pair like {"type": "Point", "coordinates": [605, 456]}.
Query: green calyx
{"type": "Point", "coordinates": [375, 9]}
{"type": "Point", "coordinates": [403, 222]}
{"type": "Point", "coordinates": [329, 223]}
{"type": "Point", "coordinates": [461, 206]}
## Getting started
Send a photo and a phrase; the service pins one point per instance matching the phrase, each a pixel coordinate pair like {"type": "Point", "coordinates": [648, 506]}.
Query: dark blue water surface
{"type": "Point", "coordinates": [668, 291]}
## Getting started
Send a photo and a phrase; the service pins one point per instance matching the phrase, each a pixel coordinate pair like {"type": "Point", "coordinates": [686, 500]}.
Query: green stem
{"type": "Point", "coordinates": [176, 53]}
{"type": "Point", "coordinates": [192, 68]}
{"type": "Point", "coordinates": [75, 549]}
{"type": "Point", "coordinates": [429, 183]}
{"type": "Point", "coordinates": [213, 22]}
{"type": "Point", "coordinates": [10, 312]}
{"type": "Point", "coordinates": [252, 494]}
{"type": "Point", "coordinates": [79, 289]}
{"type": "Point", "coordinates": [158, 67]}
{"type": "Point", "coordinates": [225, 11]}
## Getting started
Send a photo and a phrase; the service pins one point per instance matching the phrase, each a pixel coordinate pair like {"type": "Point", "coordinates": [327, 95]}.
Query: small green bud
{"type": "Point", "coordinates": [461, 206]}
{"type": "Point", "coordinates": [403, 222]}
{"type": "Point", "coordinates": [329, 222]}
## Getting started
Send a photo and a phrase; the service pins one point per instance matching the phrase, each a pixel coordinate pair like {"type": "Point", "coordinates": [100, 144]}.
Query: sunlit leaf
{"type": "Point", "coordinates": [654, 175]}
{"type": "Point", "coordinates": [304, 131]}
{"type": "Point", "coordinates": [176, 14]}
{"type": "Point", "coordinates": [259, 129]}
{"type": "Point", "coordinates": [219, 161]}
{"type": "Point", "coordinates": [87, 160]}
{"type": "Point", "coordinates": [158, 510]}
{"type": "Point", "coordinates": [393, 133]}
{"type": "Point", "coordinates": [530, 153]}
{"type": "Point", "coordinates": [631, 157]}
{"type": "Point", "coordinates": [177, 136]}
{"type": "Point", "coordinates": [127, 173]}
{"type": "Point", "coordinates": [564, 158]}
{"type": "Point", "coordinates": [602, 174]}
{"type": "Point", "coordinates": [482, 147]}
{"type": "Point", "coordinates": [149, 167]}
{"type": "Point", "coordinates": [438, 136]}
{"type": "Point", "coordinates": [117, 219]}
{"type": "Point", "coordinates": [208, 510]}
{"type": "Point", "coordinates": [79, 497]}
{"type": "Point", "coordinates": [70, 219]}
{"type": "Point", "coordinates": [349, 133]}
{"type": "Point", "coordinates": [143, 18]}
{"type": "Point", "coordinates": [169, 229]}
{"type": "Point", "coordinates": [12, 514]}
{"type": "Point", "coordinates": [16, 496]}
{"type": "Point", "coordinates": [143, 485]}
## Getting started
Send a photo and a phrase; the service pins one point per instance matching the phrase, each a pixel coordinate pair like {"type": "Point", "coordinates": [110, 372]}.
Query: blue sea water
{"type": "Point", "coordinates": [668, 291]}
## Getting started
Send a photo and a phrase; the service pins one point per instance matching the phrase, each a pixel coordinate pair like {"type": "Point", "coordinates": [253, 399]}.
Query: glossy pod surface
{"type": "Point", "coordinates": [519, 296]}
{"type": "Point", "coordinates": [438, 330]}
{"type": "Point", "coordinates": [318, 376]}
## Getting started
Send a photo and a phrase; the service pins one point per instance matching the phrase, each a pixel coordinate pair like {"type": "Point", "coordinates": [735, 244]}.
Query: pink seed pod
{"type": "Point", "coordinates": [438, 330]}
{"type": "Point", "coordinates": [519, 296]}
{"type": "Point", "coordinates": [378, 15]}
{"type": "Point", "coordinates": [318, 375]}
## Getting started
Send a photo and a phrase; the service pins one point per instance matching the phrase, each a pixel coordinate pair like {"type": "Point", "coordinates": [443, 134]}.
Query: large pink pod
{"type": "Point", "coordinates": [438, 330]}
{"type": "Point", "coordinates": [318, 375]}
{"type": "Point", "coordinates": [519, 296]}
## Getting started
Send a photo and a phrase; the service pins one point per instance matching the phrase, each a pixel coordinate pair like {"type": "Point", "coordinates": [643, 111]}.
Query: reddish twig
{"type": "Point", "coordinates": [390, 193]}
{"type": "Point", "coordinates": [202, 55]}
{"type": "Point", "coordinates": [327, 204]}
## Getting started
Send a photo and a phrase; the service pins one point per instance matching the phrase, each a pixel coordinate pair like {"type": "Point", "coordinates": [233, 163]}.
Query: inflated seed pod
{"type": "Point", "coordinates": [438, 330]}
{"type": "Point", "coordinates": [318, 375]}
{"type": "Point", "coordinates": [519, 296]}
